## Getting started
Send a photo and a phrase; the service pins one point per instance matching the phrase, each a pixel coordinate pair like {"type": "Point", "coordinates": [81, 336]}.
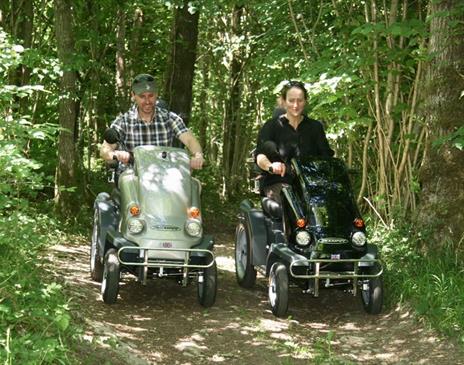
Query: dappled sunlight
{"type": "Point", "coordinates": [225, 263]}
{"type": "Point", "coordinates": [163, 323]}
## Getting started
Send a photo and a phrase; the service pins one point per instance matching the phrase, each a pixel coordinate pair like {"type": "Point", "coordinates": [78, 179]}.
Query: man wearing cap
{"type": "Point", "coordinates": [147, 123]}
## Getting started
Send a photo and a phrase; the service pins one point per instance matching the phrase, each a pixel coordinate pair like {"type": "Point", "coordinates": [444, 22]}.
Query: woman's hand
{"type": "Point", "coordinates": [278, 168]}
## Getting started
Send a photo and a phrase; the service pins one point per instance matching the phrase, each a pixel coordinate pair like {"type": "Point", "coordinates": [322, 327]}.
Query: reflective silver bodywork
{"type": "Point", "coordinates": [160, 183]}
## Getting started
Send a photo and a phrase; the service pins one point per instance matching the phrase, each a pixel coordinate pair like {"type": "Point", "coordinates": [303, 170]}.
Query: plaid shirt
{"type": "Point", "coordinates": [160, 132]}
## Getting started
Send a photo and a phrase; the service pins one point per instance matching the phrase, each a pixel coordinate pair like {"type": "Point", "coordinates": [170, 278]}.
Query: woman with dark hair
{"type": "Point", "coordinates": [288, 134]}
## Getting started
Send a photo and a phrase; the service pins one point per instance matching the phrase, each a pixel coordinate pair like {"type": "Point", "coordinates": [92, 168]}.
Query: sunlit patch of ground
{"type": "Point", "coordinates": [162, 323]}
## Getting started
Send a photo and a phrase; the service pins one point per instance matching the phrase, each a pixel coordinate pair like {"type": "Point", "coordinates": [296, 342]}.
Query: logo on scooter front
{"type": "Point", "coordinates": [165, 227]}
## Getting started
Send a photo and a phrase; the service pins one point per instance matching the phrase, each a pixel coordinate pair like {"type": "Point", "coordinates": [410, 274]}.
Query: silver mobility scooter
{"type": "Point", "coordinates": [151, 226]}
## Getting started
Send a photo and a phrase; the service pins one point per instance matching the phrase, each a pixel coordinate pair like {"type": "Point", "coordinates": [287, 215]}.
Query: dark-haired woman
{"type": "Point", "coordinates": [283, 136]}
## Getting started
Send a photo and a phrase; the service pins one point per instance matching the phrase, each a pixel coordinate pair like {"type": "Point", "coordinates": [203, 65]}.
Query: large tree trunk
{"type": "Point", "coordinates": [442, 175]}
{"type": "Point", "coordinates": [180, 69]}
{"type": "Point", "coordinates": [66, 176]}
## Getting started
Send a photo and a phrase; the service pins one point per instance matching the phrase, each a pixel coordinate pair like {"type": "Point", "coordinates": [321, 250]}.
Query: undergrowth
{"type": "Point", "coordinates": [426, 276]}
{"type": "Point", "coordinates": [35, 321]}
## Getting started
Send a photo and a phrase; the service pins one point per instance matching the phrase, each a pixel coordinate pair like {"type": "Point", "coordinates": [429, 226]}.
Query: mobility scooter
{"type": "Point", "coordinates": [151, 224]}
{"type": "Point", "coordinates": [314, 239]}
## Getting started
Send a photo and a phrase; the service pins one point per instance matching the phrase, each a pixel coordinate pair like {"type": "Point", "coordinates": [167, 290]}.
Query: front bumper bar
{"type": "Point", "coordinates": [147, 263]}
{"type": "Point", "coordinates": [319, 274]}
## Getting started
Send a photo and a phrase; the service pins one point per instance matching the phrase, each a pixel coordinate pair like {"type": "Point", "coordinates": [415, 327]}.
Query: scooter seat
{"type": "Point", "coordinates": [116, 196]}
{"type": "Point", "coordinates": [271, 208]}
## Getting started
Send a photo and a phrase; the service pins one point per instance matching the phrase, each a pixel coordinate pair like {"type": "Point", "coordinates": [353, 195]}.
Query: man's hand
{"type": "Point", "coordinates": [196, 162]}
{"type": "Point", "coordinates": [122, 156]}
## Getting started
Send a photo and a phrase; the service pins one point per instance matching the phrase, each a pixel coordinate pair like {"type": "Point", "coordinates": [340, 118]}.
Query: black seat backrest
{"type": "Point", "coordinates": [116, 196]}
{"type": "Point", "coordinates": [271, 208]}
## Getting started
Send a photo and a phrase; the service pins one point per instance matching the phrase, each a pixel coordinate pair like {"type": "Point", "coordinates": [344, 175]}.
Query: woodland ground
{"type": "Point", "coordinates": [162, 323]}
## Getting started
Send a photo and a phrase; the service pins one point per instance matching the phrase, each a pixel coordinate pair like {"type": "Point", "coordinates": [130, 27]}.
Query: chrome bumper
{"type": "Point", "coordinates": [319, 274]}
{"type": "Point", "coordinates": [164, 263]}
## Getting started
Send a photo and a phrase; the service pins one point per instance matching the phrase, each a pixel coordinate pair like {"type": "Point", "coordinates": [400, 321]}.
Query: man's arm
{"type": "Point", "coordinates": [189, 140]}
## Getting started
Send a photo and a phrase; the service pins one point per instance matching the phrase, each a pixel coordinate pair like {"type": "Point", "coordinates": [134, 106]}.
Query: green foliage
{"type": "Point", "coordinates": [324, 353]}
{"type": "Point", "coordinates": [456, 139]}
{"type": "Point", "coordinates": [430, 280]}
{"type": "Point", "coordinates": [20, 176]}
{"type": "Point", "coordinates": [35, 320]}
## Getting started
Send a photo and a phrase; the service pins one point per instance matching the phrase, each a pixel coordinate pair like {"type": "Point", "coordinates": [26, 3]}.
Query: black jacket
{"type": "Point", "coordinates": [308, 139]}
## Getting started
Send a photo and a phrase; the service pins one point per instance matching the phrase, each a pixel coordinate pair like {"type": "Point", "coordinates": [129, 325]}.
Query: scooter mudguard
{"type": "Point", "coordinates": [254, 218]}
{"type": "Point", "coordinates": [280, 252]}
{"type": "Point", "coordinates": [108, 217]}
{"type": "Point", "coordinates": [371, 254]}
{"type": "Point", "coordinates": [207, 243]}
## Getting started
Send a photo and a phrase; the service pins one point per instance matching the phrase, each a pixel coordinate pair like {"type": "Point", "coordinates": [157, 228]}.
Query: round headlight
{"type": "Point", "coordinates": [358, 239]}
{"type": "Point", "coordinates": [135, 225]}
{"type": "Point", "coordinates": [193, 228]}
{"type": "Point", "coordinates": [303, 238]}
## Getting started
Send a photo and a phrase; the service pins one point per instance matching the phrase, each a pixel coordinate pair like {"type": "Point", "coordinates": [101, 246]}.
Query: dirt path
{"type": "Point", "coordinates": [162, 323]}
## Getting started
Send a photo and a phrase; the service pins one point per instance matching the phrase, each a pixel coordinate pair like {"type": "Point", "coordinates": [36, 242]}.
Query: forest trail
{"type": "Point", "coordinates": [162, 323]}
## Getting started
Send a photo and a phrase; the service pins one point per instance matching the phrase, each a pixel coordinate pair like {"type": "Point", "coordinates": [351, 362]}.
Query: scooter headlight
{"type": "Point", "coordinates": [303, 238]}
{"type": "Point", "coordinates": [135, 226]}
{"type": "Point", "coordinates": [358, 239]}
{"type": "Point", "coordinates": [193, 228]}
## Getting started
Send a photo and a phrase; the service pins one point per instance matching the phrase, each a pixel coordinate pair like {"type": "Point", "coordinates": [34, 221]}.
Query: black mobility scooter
{"type": "Point", "coordinates": [151, 225]}
{"type": "Point", "coordinates": [315, 239]}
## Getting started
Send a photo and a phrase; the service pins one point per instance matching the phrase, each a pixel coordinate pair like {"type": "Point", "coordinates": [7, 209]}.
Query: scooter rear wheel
{"type": "Point", "coordinates": [244, 270]}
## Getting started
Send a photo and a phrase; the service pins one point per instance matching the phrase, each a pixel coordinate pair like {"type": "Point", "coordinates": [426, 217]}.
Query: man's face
{"type": "Point", "coordinates": [146, 102]}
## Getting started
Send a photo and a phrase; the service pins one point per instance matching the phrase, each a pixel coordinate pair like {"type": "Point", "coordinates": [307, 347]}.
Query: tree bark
{"type": "Point", "coordinates": [180, 69]}
{"type": "Point", "coordinates": [66, 176]}
{"type": "Point", "coordinates": [232, 110]}
{"type": "Point", "coordinates": [21, 27]}
{"type": "Point", "coordinates": [442, 175]}
{"type": "Point", "coordinates": [121, 80]}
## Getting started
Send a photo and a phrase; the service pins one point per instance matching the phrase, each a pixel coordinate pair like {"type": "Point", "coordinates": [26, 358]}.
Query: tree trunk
{"type": "Point", "coordinates": [135, 44]}
{"type": "Point", "coordinates": [21, 26]}
{"type": "Point", "coordinates": [4, 6]}
{"type": "Point", "coordinates": [180, 69]}
{"type": "Point", "coordinates": [121, 82]}
{"type": "Point", "coordinates": [66, 176]}
{"type": "Point", "coordinates": [442, 175]}
{"type": "Point", "coordinates": [203, 118]}
{"type": "Point", "coordinates": [232, 111]}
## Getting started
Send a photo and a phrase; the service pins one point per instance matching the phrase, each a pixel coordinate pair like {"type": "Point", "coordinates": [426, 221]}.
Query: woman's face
{"type": "Point", "coordinates": [295, 101]}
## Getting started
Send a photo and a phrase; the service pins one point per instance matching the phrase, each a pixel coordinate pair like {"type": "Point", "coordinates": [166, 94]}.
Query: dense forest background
{"type": "Point", "coordinates": [386, 78]}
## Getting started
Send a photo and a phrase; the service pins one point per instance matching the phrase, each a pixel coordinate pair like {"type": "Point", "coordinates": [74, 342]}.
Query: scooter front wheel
{"type": "Point", "coordinates": [244, 270]}
{"type": "Point", "coordinates": [96, 266]}
{"type": "Point", "coordinates": [207, 286]}
{"type": "Point", "coordinates": [111, 276]}
{"type": "Point", "coordinates": [372, 292]}
{"type": "Point", "coordinates": [278, 289]}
